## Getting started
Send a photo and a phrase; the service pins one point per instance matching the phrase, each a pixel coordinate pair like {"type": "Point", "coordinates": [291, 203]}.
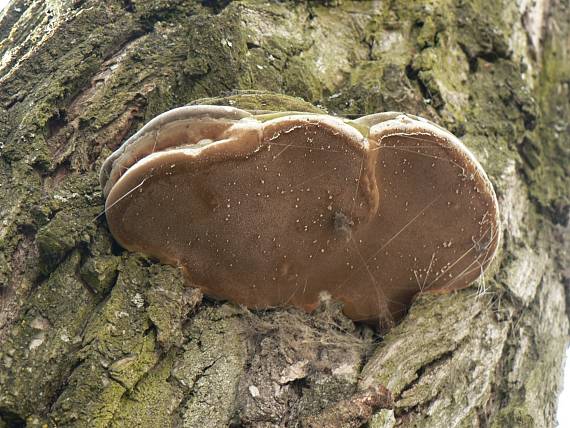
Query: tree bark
{"type": "Point", "coordinates": [92, 335]}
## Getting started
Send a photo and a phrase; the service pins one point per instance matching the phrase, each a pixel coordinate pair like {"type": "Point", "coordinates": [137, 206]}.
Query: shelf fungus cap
{"type": "Point", "coordinates": [188, 125]}
{"type": "Point", "coordinates": [274, 209]}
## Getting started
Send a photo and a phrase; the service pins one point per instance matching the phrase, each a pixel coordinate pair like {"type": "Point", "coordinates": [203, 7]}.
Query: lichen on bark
{"type": "Point", "coordinates": [91, 335]}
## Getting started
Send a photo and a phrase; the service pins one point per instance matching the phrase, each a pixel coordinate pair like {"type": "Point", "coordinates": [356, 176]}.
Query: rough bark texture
{"type": "Point", "coordinates": [91, 335]}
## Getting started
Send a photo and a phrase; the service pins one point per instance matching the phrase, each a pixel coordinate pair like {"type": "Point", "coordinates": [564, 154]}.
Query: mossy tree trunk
{"type": "Point", "coordinates": [91, 335]}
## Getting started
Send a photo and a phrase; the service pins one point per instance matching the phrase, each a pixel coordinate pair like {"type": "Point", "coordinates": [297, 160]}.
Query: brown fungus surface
{"type": "Point", "coordinates": [273, 209]}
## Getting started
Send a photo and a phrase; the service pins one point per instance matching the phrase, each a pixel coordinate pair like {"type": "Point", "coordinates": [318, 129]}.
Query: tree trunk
{"type": "Point", "coordinates": [92, 335]}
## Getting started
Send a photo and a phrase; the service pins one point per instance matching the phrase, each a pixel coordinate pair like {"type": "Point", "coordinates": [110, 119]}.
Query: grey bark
{"type": "Point", "coordinates": [91, 335]}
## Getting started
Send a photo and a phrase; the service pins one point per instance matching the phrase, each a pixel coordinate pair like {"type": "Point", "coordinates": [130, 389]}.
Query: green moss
{"type": "Point", "coordinates": [169, 301]}
{"type": "Point", "coordinates": [482, 29]}
{"type": "Point", "coordinates": [118, 349]}
{"type": "Point", "coordinates": [376, 86]}
{"type": "Point", "coordinates": [19, 192]}
{"type": "Point", "coordinates": [207, 71]}
{"type": "Point", "coordinates": [382, 419]}
{"type": "Point", "coordinates": [549, 180]}
{"type": "Point", "coordinates": [514, 415]}
{"type": "Point", "coordinates": [63, 233]}
{"type": "Point", "coordinates": [429, 310]}
{"type": "Point", "coordinates": [129, 370]}
{"type": "Point", "coordinates": [261, 100]}
{"type": "Point", "coordinates": [265, 70]}
{"type": "Point", "coordinates": [211, 366]}
{"type": "Point", "coordinates": [152, 402]}
{"type": "Point", "coordinates": [41, 348]}
{"type": "Point", "coordinates": [301, 81]}
{"type": "Point", "coordinates": [94, 398]}
{"type": "Point", "coordinates": [66, 219]}
{"type": "Point", "coordinates": [5, 271]}
{"type": "Point", "coordinates": [494, 121]}
{"type": "Point", "coordinates": [102, 29]}
{"type": "Point", "coordinates": [100, 273]}
{"type": "Point", "coordinates": [427, 33]}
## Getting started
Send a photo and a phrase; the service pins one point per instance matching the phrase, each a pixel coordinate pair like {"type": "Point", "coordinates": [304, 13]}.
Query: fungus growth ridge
{"type": "Point", "coordinates": [274, 209]}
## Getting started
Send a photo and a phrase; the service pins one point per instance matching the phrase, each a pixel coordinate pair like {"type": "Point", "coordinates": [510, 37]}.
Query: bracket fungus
{"type": "Point", "coordinates": [272, 209]}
